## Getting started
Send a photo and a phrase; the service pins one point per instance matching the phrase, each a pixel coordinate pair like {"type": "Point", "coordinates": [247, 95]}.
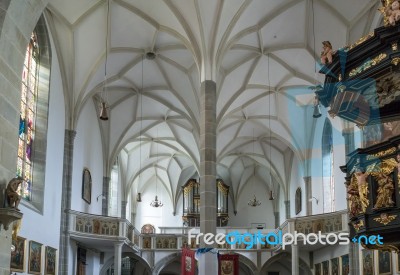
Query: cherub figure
{"type": "Point", "coordinates": [12, 196]}
{"type": "Point", "coordinates": [393, 12]}
{"type": "Point", "coordinates": [326, 53]}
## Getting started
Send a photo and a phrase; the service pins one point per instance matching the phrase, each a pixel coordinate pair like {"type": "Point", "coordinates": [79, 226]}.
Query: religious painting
{"type": "Point", "coordinates": [35, 258]}
{"type": "Point", "coordinates": [384, 262]}
{"type": "Point", "coordinates": [87, 186]}
{"type": "Point", "coordinates": [368, 262]}
{"type": "Point", "coordinates": [227, 267]}
{"type": "Point", "coordinates": [325, 268]}
{"type": "Point", "coordinates": [345, 264]}
{"type": "Point", "coordinates": [18, 255]}
{"type": "Point", "coordinates": [228, 264]}
{"type": "Point", "coordinates": [335, 266]}
{"type": "Point", "coordinates": [317, 269]}
{"type": "Point", "coordinates": [51, 257]}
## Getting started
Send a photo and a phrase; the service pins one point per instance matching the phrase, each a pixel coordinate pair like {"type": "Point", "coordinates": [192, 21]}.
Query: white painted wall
{"type": "Point", "coordinates": [87, 153]}
{"type": "Point", "coordinates": [246, 215]}
{"type": "Point", "coordinates": [157, 216]}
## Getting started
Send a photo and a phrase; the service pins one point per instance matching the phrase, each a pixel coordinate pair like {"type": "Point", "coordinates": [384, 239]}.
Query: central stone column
{"type": "Point", "coordinates": [295, 259]}
{"type": "Point", "coordinates": [208, 200]}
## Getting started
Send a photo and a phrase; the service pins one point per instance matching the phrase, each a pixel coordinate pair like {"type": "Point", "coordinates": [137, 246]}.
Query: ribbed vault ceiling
{"type": "Point", "coordinates": [261, 53]}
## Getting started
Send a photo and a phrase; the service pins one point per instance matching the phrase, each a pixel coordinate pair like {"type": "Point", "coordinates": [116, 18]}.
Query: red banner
{"type": "Point", "coordinates": [228, 265]}
{"type": "Point", "coordinates": [188, 262]}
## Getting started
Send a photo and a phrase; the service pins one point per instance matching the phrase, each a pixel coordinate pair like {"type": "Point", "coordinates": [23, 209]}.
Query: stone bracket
{"type": "Point", "coordinates": [9, 215]}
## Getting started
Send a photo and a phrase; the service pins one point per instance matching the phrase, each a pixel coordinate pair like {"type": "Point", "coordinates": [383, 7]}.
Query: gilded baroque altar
{"type": "Point", "coordinates": [362, 85]}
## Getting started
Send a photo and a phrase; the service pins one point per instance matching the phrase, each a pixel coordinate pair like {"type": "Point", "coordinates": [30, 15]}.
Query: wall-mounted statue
{"type": "Point", "coordinates": [12, 196]}
{"type": "Point", "coordinates": [326, 53]}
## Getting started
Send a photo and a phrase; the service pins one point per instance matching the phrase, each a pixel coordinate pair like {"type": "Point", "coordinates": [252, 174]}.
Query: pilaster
{"type": "Point", "coordinates": [308, 189]}
{"type": "Point", "coordinates": [106, 188]}
{"type": "Point", "coordinates": [66, 201]}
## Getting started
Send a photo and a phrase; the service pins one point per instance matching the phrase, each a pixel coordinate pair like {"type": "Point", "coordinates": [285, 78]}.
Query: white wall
{"type": "Point", "coordinates": [246, 215]}
{"type": "Point", "coordinates": [87, 153]}
{"type": "Point", "coordinates": [157, 216]}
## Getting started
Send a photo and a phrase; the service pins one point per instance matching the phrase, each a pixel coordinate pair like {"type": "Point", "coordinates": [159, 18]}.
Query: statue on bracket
{"type": "Point", "coordinates": [326, 53]}
{"type": "Point", "coordinates": [12, 196]}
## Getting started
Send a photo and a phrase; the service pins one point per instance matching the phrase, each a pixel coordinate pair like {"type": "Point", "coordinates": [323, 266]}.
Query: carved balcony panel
{"type": "Point", "coordinates": [104, 231]}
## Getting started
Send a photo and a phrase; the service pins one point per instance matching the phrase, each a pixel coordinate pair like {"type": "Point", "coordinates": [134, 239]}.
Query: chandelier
{"type": "Point", "coordinates": [254, 202]}
{"type": "Point", "coordinates": [156, 203]}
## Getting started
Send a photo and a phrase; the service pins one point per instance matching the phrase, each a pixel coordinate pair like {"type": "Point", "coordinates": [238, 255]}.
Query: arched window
{"type": "Point", "coordinates": [33, 116]}
{"type": "Point", "coordinates": [27, 119]}
{"type": "Point", "coordinates": [298, 201]}
{"type": "Point", "coordinates": [328, 184]}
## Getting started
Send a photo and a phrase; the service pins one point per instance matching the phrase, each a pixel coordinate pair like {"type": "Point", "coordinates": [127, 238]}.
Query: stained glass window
{"type": "Point", "coordinates": [29, 93]}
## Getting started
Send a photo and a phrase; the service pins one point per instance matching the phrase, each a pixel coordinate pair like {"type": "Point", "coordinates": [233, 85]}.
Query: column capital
{"type": "Point", "coordinates": [118, 244]}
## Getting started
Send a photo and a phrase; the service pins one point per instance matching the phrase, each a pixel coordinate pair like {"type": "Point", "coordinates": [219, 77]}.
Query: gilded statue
{"type": "Point", "coordinates": [354, 200]}
{"type": "Point", "coordinates": [383, 175]}
{"type": "Point", "coordinates": [385, 191]}
{"type": "Point", "coordinates": [361, 178]}
{"type": "Point", "coordinates": [12, 196]}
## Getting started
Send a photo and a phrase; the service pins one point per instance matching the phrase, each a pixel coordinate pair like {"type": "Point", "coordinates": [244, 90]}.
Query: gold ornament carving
{"type": "Point", "coordinates": [361, 40]}
{"type": "Point", "coordinates": [358, 225]}
{"type": "Point", "coordinates": [368, 64]}
{"type": "Point", "coordinates": [385, 219]}
{"type": "Point", "coordinates": [382, 153]}
{"type": "Point", "coordinates": [394, 46]}
{"type": "Point", "coordinates": [395, 61]}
